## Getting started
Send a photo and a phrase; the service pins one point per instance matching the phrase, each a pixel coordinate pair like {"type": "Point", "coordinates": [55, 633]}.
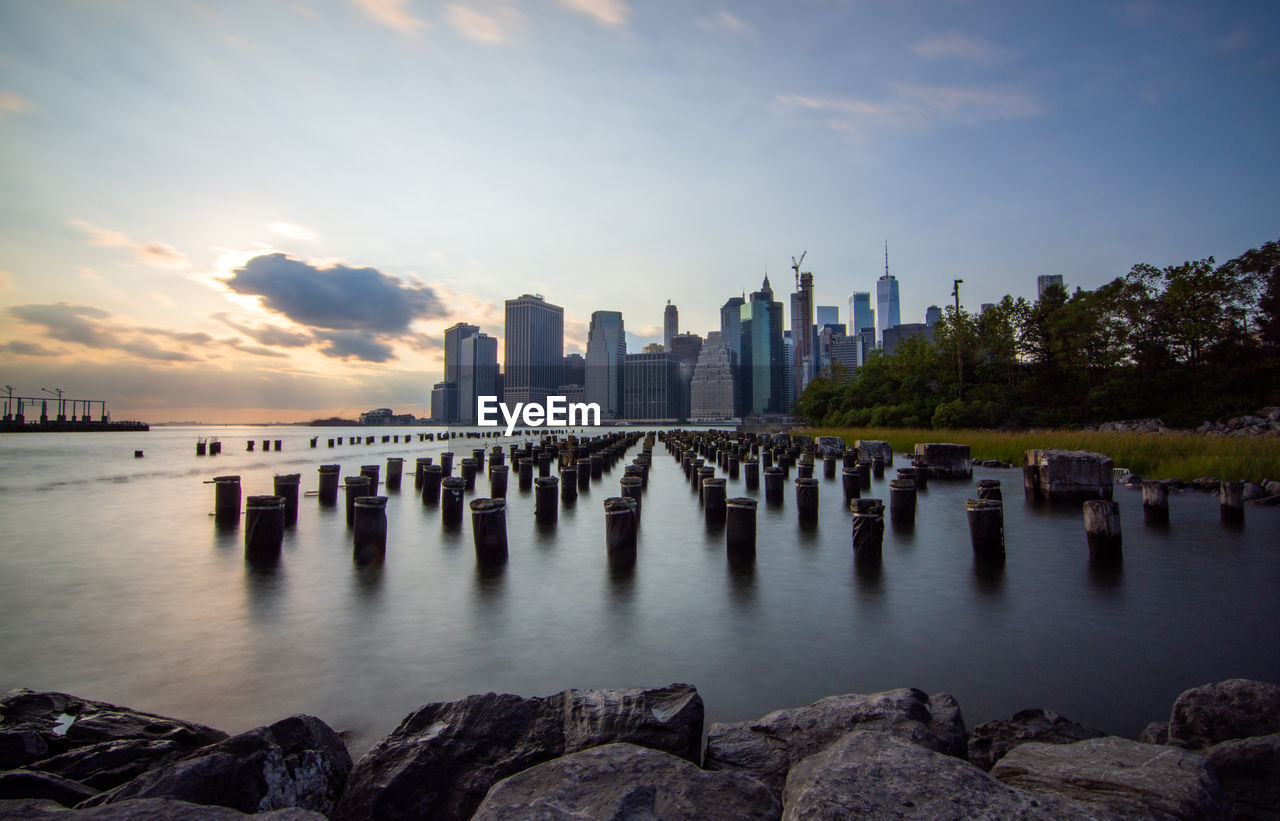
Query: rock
{"type": "Point", "coordinates": [31, 784]}
{"type": "Point", "coordinates": [1133, 479]}
{"type": "Point", "coordinates": [1118, 778]}
{"type": "Point", "coordinates": [1249, 770]}
{"type": "Point", "coordinates": [989, 742]}
{"type": "Point", "coordinates": [1157, 732]}
{"type": "Point", "coordinates": [1068, 475]}
{"type": "Point", "coordinates": [443, 758]}
{"type": "Point", "coordinates": [1206, 483]}
{"type": "Point", "coordinates": [830, 446]}
{"type": "Point", "coordinates": [1272, 488]}
{"type": "Point", "coordinates": [296, 762]}
{"type": "Point", "coordinates": [944, 460]}
{"type": "Point", "coordinates": [1235, 708]}
{"type": "Point", "coordinates": [625, 781]}
{"type": "Point", "coordinates": [111, 763]}
{"type": "Point", "coordinates": [869, 449]}
{"type": "Point", "coordinates": [1270, 501]}
{"type": "Point", "coordinates": [1253, 491]}
{"type": "Point", "coordinates": [143, 809]}
{"type": "Point", "coordinates": [19, 746]}
{"type": "Point", "coordinates": [767, 748]}
{"type": "Point", "coordinates": [27, 714]}
{"type": "Point", "coordinates": [877, 775]}
{"type": "Point", "coordinates": [1150, 425]}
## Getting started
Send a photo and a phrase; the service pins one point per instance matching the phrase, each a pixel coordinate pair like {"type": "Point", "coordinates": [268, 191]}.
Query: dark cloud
{"type": "Point", "coordinates": [21, 348]}
{"type": "Point", "coordinates": [93, 328]}
{"type": "Point", "coordinates": [68, 323]}
{"type": "Point", "coordinates": [350, 345]}
{"type": "Point", "coordinates": [340, 298]}
{"type": "Point", "coordinates": [268, 334]}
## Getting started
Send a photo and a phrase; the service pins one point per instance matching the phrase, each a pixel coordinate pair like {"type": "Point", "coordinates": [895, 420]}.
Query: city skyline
{"type": "Point", "coordinates": [207, 222]}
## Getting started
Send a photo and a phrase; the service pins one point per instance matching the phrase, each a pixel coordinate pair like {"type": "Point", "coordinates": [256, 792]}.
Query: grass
{"type": "Point", "coordinates": [1153, 455]}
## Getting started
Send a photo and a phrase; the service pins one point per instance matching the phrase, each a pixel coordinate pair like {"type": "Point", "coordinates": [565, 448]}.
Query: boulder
{"type": "Point", "coordinates": [1157, 732]}
{"type": "Point", "coordinates": [1067, 475]}
{"type": "Point", "coordinates": [296, 762]}
{"type": "Point", "coordinates": [767, 748]}
{"type": "Point", "coordinates": [877, 775]}
{"type": "Point", "coordinates": [1253, 491]}
{"type": "Point", "coordinates": [1235, 708]}
{"type": "Point", "coordinates": [38, 725]}
{"type": "Point", "coordinates": [989, 742]}
{"type": "Point", "coordinates": [111, 763]}
{"type": "Point", "coordinates": [143, 809]}
{"type": "Point", "coordinates": [34, 784]}
{"type": "Point", "coordinates": [625, 781]}
{"type": "Point", "coordinates": [1272, 488]}
{"type": "Point", "coordinates": [869, 449]}
{"type": "Point", "coordinates": [830, 446]}
{"type": "Point", "coordinates": [944, 460]}
{"type": "Point", "coordinates": [443, 758]}
{"type": "Point", "coordinates": [1118, 778]}
{"type": "Point", "coordinates": [1249, 769]}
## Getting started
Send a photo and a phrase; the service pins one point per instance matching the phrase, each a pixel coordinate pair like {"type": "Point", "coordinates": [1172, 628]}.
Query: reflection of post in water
{"type": "Point", "coordinates": [988, 573]}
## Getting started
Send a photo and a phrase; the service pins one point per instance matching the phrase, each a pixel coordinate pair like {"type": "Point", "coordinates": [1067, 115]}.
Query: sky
{"type": "Point", "coordinates": [231, 211]}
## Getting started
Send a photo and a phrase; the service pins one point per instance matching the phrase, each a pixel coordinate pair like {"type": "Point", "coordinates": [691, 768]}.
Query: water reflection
{"type": "Point", "coordinates": [870, 573]}
{"type": "Point", "coordinates": [368, 579]}
{"type": "Point", "coordinates": [903, 525]}
{"type": "Point", "coordinates": [489, 578]}
{"type": "Point", "coordinates": [1106, 574]}
{"type": "Point", "coordinates": [622, 571]}
{"type": "Point", "coordinates": [264, 587]}
{"type": "Point", "coordinates": [742, 576]}
{"type": "Point", "coordinates": [988, 574]}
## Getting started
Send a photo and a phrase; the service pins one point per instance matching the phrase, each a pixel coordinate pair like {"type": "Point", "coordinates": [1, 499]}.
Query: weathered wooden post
{"type": "Point", "coordinates": [369, 539]}
{"type": "Point", "coordinates": [1231, 501]}
{"type": "Point", "coordinates": [877, 467]}
{"type": "Point", "coordinates": [740, 527]}
{"type": "Point", "coordinates": [584, 473]}
{"type": "Point", "coordinates": [249, 446]}
{"type": "Point", "coordinates": [850, 457]}
{"type": "Point", "coordinates": [395, 472]}
{"type": "Point", "coordinates": [705, 472]}
{"type": "Point", "coordinates": [807, 501]}
{"type": "Point", "coordinates": [902, 501]}
{"type": "Point", "coordinates": [544, 465]}
{"type": "Point", "coordinates": [525, 476]}
{"type": "Point", "coordinates": [452, 490]}
{"type": "Point", "coordinates": [286, 487]}
{"type": "Point", "coordinates": [467, 470]}
{"type": "Point", "coordinates": [868, 534]}
{"type": "Point", "coordinates": [829, 466]}
{"type": "Point", "coordinates": [489, 527]}
{"type": "Point", "coordinates": [1155, 502]}
{"type": "Point", "coordinates": [372, 472]}
{"type": "Point", "coordinates": [278, 443]}
{"type": "Point", "coordinates": [1102, 529]}
{"type": "Point", "coordinates": [864, 475]}
{"type": "Point", "coordinates": [921, 466]}
{"type": "Point", "coordinates": [597, 466]}
{"type": "Point", "coordinates": [733, 465]}
{"type": "Point", "coordinates": [446, 463]}
{"type": "Point", "coordinates": [990, 489]}
{"type": "Point", "coordinates": [328, 494]}
{"type": "Point", "coordinates": [546, 505]}
{"type": "Point", "coordinates": [986, 527]}
{"type": "Point", "coordinates": [418, 464]}
{"type": "Point", "coordinates": [851, 484]}
{"type": "Point", "coordinates": [478, 455]}
{"type": "Point", "coordinates": [773, 486]}
{"type": "Point", "coordinates": [631, 489]}
{"type": "Point", "coordinates": [356, 487]}
{"type": "Point", "coordinates": [766, 458]}
{"type": "Point", "coordinates": [263, 527]}
{"type": "Point", "coordinates": [226, 500]}
{"type": "Point", "coordinates": [498, 481]}
{"type": "Point", "coordinates": [751, 473]}
{"type": "Point", "coordinates": [620, 522]}
{"type": "Point", "coordinates": [432, 476]}
{"type": "Point", "coordinates": [713, 500]}
{"type": "Point", "coordinates": [569, 484]}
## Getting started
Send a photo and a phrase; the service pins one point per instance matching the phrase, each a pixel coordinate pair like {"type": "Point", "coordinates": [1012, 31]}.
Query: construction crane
{"type": "Point", "coordinates": [795, 266]}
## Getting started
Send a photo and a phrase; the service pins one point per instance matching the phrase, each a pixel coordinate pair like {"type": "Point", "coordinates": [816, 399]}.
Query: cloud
{"type": "Point", "coordinates": [68, 323]}
{"type": "Point", "coordinates": [336, 297]}
{"type": "Point", "coordinates": [13, 103]}
{"type": "Point", "coordinates": [353, 345]}
{"type": "Point", "coordinates": [21, 348]}
{"type": "Point", "coordinates": [291, 231]}
{"type": "Point", "coordinates": [474, 25]}
{"type": "Point", "coordinates": [723, 21]}
{"type": "Point", "coordinates": [271, 335]}
{"type": "Point", "coordinates": [914, 108]}
{"type": "Point", "coordinates": [152, 254]}
{"type": "Point", "coordinates": [5, 278]}
{"type": "Point", "coordinates": [100, 331]}
{"type": "Point", "coordinates": [612, 13]}
{"type": "Point", "coordinates": [956, 46]}
{"type": "Point", "coordinates": [394, 14]}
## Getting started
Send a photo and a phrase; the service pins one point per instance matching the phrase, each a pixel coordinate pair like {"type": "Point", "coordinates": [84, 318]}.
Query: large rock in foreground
{"type": "Point", "coordinates": [296, 762]}
{"type": "Point", "coordinates": [989, 742]}
{"type": "Point", "coordinates": [875, 775]}
{"type": "Point", "coordinates": [441, 761]}
{"type": "Point", "coordinates": [623, 781]}
{"type": "Point", "coordinates": [1249, 769]}
{"type": "Point", "coordinates": [143, 809]}
{"type": "Point", "coordinates": [1119, 778]}
{"type": "Point", "coordinates": [1235, 708]}
{"type": "Point", "coordinates": [768, 747]}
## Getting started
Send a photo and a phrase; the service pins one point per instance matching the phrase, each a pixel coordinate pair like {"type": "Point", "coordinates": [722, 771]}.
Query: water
{"type": "Point", "coordinates": [115, 585]}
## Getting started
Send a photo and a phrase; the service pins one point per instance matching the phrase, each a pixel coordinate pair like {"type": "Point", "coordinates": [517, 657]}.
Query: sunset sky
{"type": "Point", "coordinates": [232, 211]}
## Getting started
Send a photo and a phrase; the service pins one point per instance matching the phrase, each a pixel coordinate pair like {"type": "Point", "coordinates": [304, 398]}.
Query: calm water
{"type": "Point", "coordinates": [115, 585]}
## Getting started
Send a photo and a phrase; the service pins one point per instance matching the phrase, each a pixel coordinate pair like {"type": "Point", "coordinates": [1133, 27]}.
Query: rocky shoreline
{"type": "Point", "coordinates": [1262, 422]}
{"type": "Point", "coordinates": [640, 753]}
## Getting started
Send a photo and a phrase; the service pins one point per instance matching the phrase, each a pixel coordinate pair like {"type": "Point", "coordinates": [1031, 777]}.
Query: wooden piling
{"type": "Point", "coordinates": [546, 505]}
{"type": "Point", "coordinates": [902, 501]}
{"type": "Point", "coordinates": [751, 473]}
{"type": "Point", "coordinates": [807, 500]}
{"type": "Point", "coordinates": [226, 500]}
{"type": "Point", "coordinates": [773, 485]}
{"type": "Point", "coordinates": [986, 526]}
{"type": "Point", "coordinates": [446, 464]}
{"type": "Point", "coordinates": [1155, 502]}
{"type": "Point", "coordinates": [740, 526]}
{"type": "Point", "coordinates": [395, 473]}
{"type": "Point", "coordinates": [356, 487]}
{"type": "Point", "coordinates": [877, 467]}
{"type": "Point", "coordinates": [467, 469]}
{"type": "Point", "coordinates": [1231, 501]}
{"type": "Point", "coordinates": [498, 481]}
{"type": "Point", "coordinates": [263, 527]}
{"type": "Point", "coordinates": [631, 489]}
{"type": "Point", "coordinates": [569, 484]}
{"type": "Point", "coordinates": [419, 463]}
{"type": "Point", "coordinates": [868, 536]}
{"type": "Point", "coordinates": [829, 466]}
{"type": "Point", "coordinates": [1102, 529]}
{"type": "Point", "coordinates": [369, 536]}
{"type": "Point", "coordinates": [990, 489]}
{"type": "Point", "coordinates": [286, 486]}
{"type": "Point", "coordinates": [620, 522]}
{"type": "Point", "coordinates": [328, 494]}
{"type": "Point", "coordinates": [452, 490]}
{"type": "Point", "coordinates": [432, 478]}
{"type": "Point", "coordinates": [524, 473]}
{"type": "Point", "coordinates": [851, 483]}
{"type": "Point", "coordinates": [372, 472]}
{"type": "Point", "coordinates": [489, 527]}
{"type": "Point", "coordinates": [713, 500]}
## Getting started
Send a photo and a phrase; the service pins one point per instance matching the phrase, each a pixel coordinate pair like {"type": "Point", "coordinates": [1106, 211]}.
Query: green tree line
{"type": "Point", "coordinates": [1184, 343]}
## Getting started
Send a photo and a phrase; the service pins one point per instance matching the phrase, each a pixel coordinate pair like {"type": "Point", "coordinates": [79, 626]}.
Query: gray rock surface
{"type": "Point", "coordinates": [1235, 708]}
{"type": "Point", "coordinates": [869, 449]}
{"type": "Point", "coordinates": [768, 747]}
{"type": "Point", "coordinates": [830, 445]}
{"type": "Point", "coordinates": [143, 809]}
{"type": "Point", "coordinates": [1068, 475]}
{"type": "Point", "coordinates": [989, 742]}
{"type": "Point", "coordinates": [35, 784]}
{"type": "Point", "coordinates": [1119, 778]}
{"type": "Point", "coordinates": [1249, 770]}
{"type": "Point", "coordinates": [296, 762]}
{"type": "Point", "coordinates": [945, 460]}
{"type": "Point", "coordinates": [111, 763]}
{"type": "Point", "coordinates": [443, 758]}
{"type": "Point", "coordinates": [623, 781]}
{"type": "Point", "coordinates": [877, 775]}
{"type": "Point", "coordinates": [1157, 732]}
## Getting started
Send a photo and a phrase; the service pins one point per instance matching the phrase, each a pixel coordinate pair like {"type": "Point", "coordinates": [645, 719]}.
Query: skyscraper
{"type": "Point", "coordinates": [670, 325]}
{"type": "Point", "coordinates": [932, 315]}
{"type": "Point", "coordinates": [731, 336]}
{"type": "Point", "coordinates": [802, 335]}
{"type": "Point", "coordinates": [606, 351]}
{"type": "Point", "coordinates": [533, 363]}
{"type": "Point", "coordinates": [651, 386]}
{"type": "Point", "coordinates": [685, 348]}
{"type": "Point", "coordinates": [1045, 280]}
{"type": "Point", "coordinates": [826, 315]}
{"type": "Point", "coordinates": [575, 369]}
{"type": "Point", "coordinates": [711, 394]}
{"type": "Point", "coordinates": [477, 373]}
{"type": "Point", "coordinates": [453, 337]}
{"type": "Point", "coordinates": [887, 312]}
{"type": "Point", "coordinates": [861, 316]}
{"type": "Point", "coordinates": [762, 354]}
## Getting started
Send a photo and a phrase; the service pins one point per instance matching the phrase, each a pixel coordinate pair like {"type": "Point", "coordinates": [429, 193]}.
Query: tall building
{"type": "Point", "coordinates": [477, 374]}
{"type": "Point", "coordinates": [731, 324]}
{"type": "Point", "coordinates": [651, 388]}
{"type": "Point", "coordinates": [895, 335]}
{"type": "Point", "coordinates": [861, 315]}
{"type": "Point", "coordinates": [826, 315]}
{"type": "Point", "coordinates": [932, 315]}
{"type": "Point", "coordinates": [802, 365]}
{"type": "Point", "coordinates": [762, 365]}
{"type": "Point", "coordinates": [533, 364]}
{"type": "Point", "coordinates": [788, 370]}
{"type": "Point", "coordinates": [575, 369]}
{"type": "Point", "coordinates": [711, 393]}
{"type": "Point", "coordinates": [606, 351]}
{"type": "Point", "coordinates": [444, 396]}
{"type": "Point", "coordinates": [847, 353]}
{"type": "Point", "coordinates": [670, 325]}
{"type": "Point", "coordinates": [1045, 280]}
{"type": "Point", "coordinates": [827, 334]}
{"type": "Point", "coordinates": [685, 348]}
{"type": "Point", "coordinates": [453, 336]}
